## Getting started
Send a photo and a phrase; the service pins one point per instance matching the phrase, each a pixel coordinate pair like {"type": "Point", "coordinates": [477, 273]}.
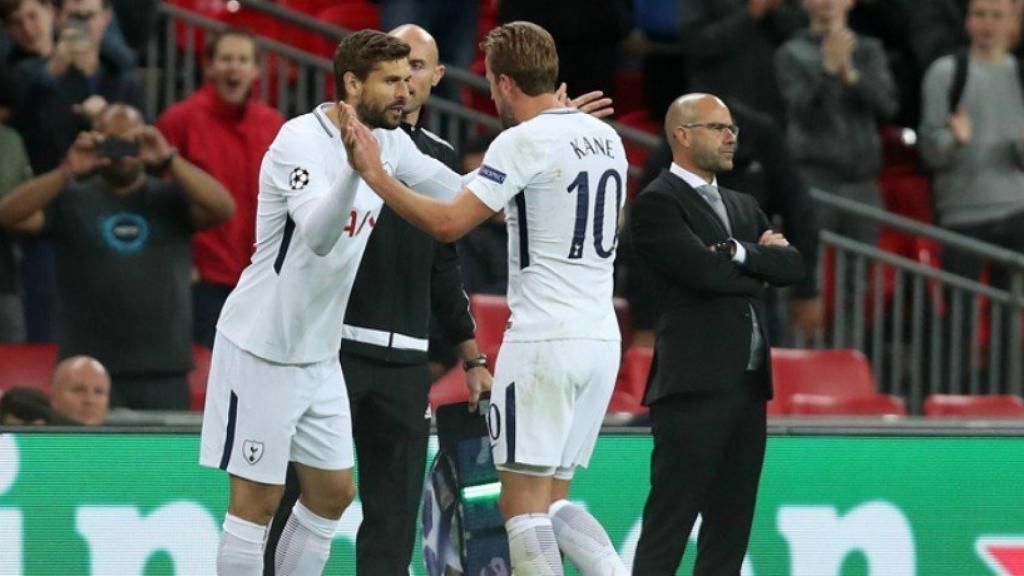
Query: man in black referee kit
{"type": "Point", "coordinates": [404, 276]}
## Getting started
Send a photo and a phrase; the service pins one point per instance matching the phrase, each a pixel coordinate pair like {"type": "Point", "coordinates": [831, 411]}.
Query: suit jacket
{"type": "Point", "coordinates": [704, 299]}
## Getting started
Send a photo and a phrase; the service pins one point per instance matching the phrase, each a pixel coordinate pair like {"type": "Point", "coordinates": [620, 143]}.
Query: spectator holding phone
{"type": "Point", "coordinates": [122, 244]}
{"type": "Point", "coordinates": [75, 70]}
{"type": "Point", "coordinates": [52, 90]}
{"type": "Point", "coordinates": [32, 26]}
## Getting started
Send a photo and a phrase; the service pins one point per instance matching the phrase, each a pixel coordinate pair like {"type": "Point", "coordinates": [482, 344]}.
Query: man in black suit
{"type": "Point", "coordinates": [710, 251]}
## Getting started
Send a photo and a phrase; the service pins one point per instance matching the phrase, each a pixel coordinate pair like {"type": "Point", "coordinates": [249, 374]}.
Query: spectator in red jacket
{"type": "Point", "coordinates": [222, 129]}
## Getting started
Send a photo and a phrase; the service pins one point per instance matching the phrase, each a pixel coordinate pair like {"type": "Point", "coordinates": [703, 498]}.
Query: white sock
{"type": "Point", "coordinates": [584, 541]}
{"type": "Point", "coordinates": [240, 552]}
{"type": "Point", "coordinates": [532, 547]}
{"type": "Point", "coordinates": [305, 543]}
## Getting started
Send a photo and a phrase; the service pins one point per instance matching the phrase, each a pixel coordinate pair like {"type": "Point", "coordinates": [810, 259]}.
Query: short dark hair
{"type": "Point", "coordinates": [7, 7]}
{"type": "Point", "coordinates": [213, 41]}
{"type": "Point", "coordinates": [524, 52]}
{"type": "Point", "coordinates": [361, 51]}
{"type": "Point", "coordinates": [26, 404]}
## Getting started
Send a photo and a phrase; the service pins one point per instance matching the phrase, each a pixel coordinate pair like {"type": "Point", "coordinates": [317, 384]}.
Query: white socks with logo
{"type": "Point", "coordinates": [532, 546]}
{"type": "Point", "coordinates": [240, 552]}
{"type": "Point", "coordinates": [584, 541]}
{"type": "Point", "coordinates": [305, 543]}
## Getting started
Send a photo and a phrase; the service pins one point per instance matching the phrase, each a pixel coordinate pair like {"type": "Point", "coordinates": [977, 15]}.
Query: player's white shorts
{"type": "Point", "coordinates": [548, 402]}
{"type": "Point", "coordinates": [259, 415]}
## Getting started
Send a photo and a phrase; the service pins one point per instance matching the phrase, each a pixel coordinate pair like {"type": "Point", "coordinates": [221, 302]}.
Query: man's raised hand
{"type": "Point", "coordinates": [594, 103]}
{"type": "Point", "coordinates": [360, 143]}
{"type": "Point", "coordinates": [83, 156]}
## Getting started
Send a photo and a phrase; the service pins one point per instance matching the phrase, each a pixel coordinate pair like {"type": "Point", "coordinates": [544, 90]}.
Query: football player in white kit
{"type": "Point", "coordinates": [276, 392]}
{"type": "Point", "coordinates": [560, 176]}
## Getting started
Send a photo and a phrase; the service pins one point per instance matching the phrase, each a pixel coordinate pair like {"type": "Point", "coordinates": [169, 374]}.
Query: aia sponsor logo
{"type": "Point", "coordinates": [357, 222]}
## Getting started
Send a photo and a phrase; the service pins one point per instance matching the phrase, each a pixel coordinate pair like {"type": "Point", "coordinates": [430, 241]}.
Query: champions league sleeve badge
{"type": "Point", "coordinates": [298, 179]}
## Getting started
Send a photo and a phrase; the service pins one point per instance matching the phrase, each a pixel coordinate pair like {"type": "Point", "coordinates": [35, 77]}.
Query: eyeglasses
{"type": "Point", "coordinates": [716, 126]}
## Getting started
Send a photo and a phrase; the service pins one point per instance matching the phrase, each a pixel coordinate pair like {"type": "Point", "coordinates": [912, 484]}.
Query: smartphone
{"type": "Point", "coordinates": [115, 148]}
{"type": "Point", "coordinates": [79, 25]}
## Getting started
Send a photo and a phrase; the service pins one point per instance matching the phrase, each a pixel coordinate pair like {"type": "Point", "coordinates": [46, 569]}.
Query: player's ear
{"type": "Point", "coordinates": [680, 136]}
{"type": "Point", "coordinates": [505, 83]}
{"type": "Point", "coordinates": [353, 85]}
{"type": "Point", "coordinates": [439, 71]}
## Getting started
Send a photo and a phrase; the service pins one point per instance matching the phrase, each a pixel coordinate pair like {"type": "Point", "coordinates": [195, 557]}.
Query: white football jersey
{"type": "Point", "coordinates": [561, 178]}
{"type": "Point", "coordinates": [289, 305]}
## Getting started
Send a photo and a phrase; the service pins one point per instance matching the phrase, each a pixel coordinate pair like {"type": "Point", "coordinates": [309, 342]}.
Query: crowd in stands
{"type": "Point", "coordinates": [123, 235]}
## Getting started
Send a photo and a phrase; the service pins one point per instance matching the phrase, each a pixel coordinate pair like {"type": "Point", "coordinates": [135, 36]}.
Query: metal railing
{"type": "Point", "coordinates": [926, 330]}
{"type": "Point", "coordinates": [461, 76]}
{"type": "Point", "coordinates": [294, 81]}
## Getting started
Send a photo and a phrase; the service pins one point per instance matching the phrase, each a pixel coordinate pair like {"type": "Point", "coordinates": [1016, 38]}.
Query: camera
{"type": "Point", "coordinates": [116, 148]}
{"type": "Point", "coordinates": [79, 24]}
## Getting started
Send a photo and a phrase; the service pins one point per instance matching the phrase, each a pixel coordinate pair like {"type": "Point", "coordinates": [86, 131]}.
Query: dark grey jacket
{"type": "Point", "coordinates": [833, 127]}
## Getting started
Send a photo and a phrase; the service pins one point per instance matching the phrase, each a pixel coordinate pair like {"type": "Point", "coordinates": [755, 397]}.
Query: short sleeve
{"type": "Point", "coordinates": [502, 174]}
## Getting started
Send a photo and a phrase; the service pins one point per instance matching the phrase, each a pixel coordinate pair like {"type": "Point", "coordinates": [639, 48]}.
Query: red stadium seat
{"type": "Point", "coordinates": [491, 314]}
{"type": "Point", "coordinates": [352, 15]}
{"type": "Point", "coordinates": [625, 322]}
{"type": "Point", "coordinates": [257, 22]}
{"type": "Point", "coordinates": [988, 406]}
{"type": "Point", "coordinates": [908, 195]}
{"type": "Point", "coordinates": [198, 376]}
{"type": "Point", "coordinates": [632, 381]}
{"type": "Point", "coordinates": [28, 365]}
{"type": "Point", "coordinates": [821, 405]}
{"type": "Point", "coordinates": [314, 7]}
{"type": "Point", "coordinates": [487, 20]}
{"type": "Point", "coordinates": [449, 388]}
{"type": "Point", "coordinates": [624, 403]}
{"type": "Point", "coordinates": [843, 377]}
{"type": "Point", "coordinates": [636, 365]}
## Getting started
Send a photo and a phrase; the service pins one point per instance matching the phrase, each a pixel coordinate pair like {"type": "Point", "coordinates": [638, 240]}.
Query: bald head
{"type": "Point", "coordinates": [80, 390]}
{"type": "Point", "coordinates": [701, 133]}
{"type": "Point", "coordinates": [425, 67]}
{"type": "Point", "coordinates": [118, 115]}
{"type": "Point", "coordinates": [689, 109]}
{"type": "Point", "coordinates": [416, 36]}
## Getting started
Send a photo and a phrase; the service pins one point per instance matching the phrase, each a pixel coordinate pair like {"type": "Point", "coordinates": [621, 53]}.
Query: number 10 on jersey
{"type": "Point", "coordinates": [581, 185]}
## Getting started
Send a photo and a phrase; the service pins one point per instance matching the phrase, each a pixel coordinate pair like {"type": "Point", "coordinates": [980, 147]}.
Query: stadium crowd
{"type": "Point", "coordinates": [123, 235]}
